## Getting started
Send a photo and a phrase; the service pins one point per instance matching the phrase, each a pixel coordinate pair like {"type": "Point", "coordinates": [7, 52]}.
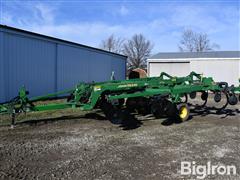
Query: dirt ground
{"type": "Point", "coordinates": [75, 145]}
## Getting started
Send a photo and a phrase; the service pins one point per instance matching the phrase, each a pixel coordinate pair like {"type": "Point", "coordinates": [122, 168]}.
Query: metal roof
{"type": "Point", "coordinates": [185, 55]}
{"type": "Point", "coordinates": [57, 39]}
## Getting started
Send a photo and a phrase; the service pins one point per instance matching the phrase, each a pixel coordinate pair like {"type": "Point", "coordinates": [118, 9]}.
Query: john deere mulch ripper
{"type": "Point", "coordinates": [161, 96]}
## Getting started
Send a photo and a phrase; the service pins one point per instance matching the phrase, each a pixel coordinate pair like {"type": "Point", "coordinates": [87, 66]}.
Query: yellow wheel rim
{"type": "Point", "coordinates": [183, 113]}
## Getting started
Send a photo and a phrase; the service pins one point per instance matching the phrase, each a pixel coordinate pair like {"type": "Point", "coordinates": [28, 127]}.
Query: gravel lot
{"type": "Point", "coordinates": [73, 145]}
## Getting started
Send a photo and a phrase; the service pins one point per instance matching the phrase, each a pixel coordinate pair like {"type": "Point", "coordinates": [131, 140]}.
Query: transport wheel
{"type": "Point", "coordinates": [183, 112]}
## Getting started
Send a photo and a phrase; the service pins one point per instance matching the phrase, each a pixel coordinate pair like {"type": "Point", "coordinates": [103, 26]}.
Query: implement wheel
{"type": "Point", "coordinates": [183, 112]}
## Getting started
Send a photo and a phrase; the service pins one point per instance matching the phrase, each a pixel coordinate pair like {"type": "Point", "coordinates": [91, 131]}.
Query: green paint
{"type": "Point", "coordinates": [86, 95]}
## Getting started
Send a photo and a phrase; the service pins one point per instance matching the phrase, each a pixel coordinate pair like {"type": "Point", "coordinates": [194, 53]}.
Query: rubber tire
{"type": "Point", "coordinates": [179, 107]}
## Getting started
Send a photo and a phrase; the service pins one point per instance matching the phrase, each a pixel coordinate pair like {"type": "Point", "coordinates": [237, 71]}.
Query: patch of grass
{"type": "Point", "coordinates": [44, 115]}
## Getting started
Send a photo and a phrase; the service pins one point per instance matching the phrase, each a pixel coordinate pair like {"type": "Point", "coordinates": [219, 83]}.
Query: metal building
{"type": "Point", "coordinates": [221, 65]}
{"type": "Point", "coordinates": [45, 64]}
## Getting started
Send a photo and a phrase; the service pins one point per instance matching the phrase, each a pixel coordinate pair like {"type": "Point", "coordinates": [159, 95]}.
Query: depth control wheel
{"type": "Point", "coordinates": [183, 112]}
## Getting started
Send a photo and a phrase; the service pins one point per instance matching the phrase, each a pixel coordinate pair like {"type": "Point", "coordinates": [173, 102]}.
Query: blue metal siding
{"type": "Point", "coordinates": [80, 65]}
{"type": "Point", "coordinates": [28, 62]}
{"type": "Point", "coordinates": [44, 65]}
{"type": "Point", "coordinates": [72, 66]}
{"type": "Point", "coordinates": [100, 66]}
{"type": "Point", "coordinates": [119, 68]}
{"type": "Point", "coordinates": [2, 92]}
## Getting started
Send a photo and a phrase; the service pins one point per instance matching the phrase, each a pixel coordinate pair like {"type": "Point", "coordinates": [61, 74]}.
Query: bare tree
{"type": "Point", "coordinates": [112, 44]}
{"type": "Point", "coordinates": [138, 49]}
{"type": "Point", "coordinates": [196, 42]}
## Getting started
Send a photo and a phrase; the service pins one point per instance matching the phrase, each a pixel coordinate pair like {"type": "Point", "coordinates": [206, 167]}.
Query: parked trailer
{"type": "Point", "coordinates": [164, 95]}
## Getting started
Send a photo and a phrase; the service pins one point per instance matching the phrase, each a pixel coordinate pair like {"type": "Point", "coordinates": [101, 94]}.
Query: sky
{"type": "Point", "coordinates": [162, 22]}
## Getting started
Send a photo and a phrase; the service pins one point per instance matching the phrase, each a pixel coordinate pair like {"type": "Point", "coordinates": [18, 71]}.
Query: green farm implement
{"type": "Point", "coordinates": [161, 96]}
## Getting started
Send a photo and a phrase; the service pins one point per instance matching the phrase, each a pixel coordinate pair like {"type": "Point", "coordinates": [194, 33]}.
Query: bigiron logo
{"type": "Point", "coordinates": [203, 171]}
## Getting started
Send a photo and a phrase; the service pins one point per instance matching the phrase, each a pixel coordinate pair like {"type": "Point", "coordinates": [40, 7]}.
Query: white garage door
{"type": "Point", "coordinates": [172, 68]}
{"type": "Point", "coordinates": [220, 70]}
